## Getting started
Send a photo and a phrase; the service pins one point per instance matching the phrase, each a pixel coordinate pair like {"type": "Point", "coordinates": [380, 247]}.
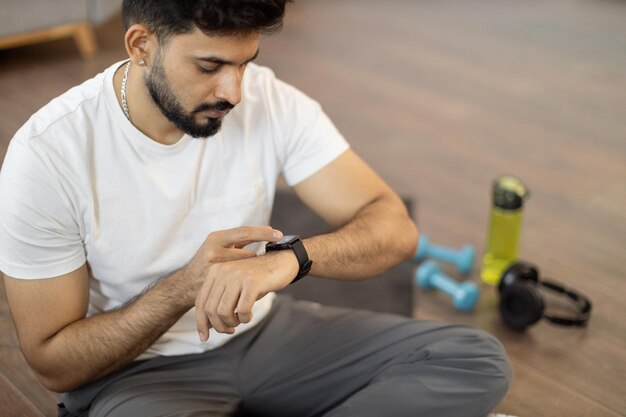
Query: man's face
{"type": "Point", "coordinates": [196, 79]}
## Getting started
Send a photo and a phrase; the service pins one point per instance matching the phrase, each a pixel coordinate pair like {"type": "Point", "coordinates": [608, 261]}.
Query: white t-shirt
{"type": "Point", "coordinates": [81, 184]}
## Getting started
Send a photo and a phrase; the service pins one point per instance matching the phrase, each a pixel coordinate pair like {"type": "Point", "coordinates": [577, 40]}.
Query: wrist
{"type": "Point", "coordinates": [289, 261]}
{"type": "Point", "coordinates": [184, 283]}
{"type": "Point", "coordinates": [294, 245]}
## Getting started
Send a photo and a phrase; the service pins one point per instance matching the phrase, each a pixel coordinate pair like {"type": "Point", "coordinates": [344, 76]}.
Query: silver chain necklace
{"type": "Point", "coordinates": [123, 92]}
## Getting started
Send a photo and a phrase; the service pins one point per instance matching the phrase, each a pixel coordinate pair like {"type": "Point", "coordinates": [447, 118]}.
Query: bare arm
{"type": "Point", "coordinates": [374, 232]}
{"type": "Point", "coordinates": [64, 348]}
{"type": "Point", "coordinates": [67, 350]}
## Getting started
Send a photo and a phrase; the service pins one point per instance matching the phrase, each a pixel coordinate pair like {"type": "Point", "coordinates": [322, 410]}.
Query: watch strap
{"type": "Point", "coordinates": [303, 260]}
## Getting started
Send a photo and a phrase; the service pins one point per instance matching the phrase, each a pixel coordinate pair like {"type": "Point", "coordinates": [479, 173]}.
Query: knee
{"type": "Point", "coordinates": [497, 362]}
{"type": "Point", "coordinates": [490, 363]}
{"type": "Point", "coordinates": [481, 355]}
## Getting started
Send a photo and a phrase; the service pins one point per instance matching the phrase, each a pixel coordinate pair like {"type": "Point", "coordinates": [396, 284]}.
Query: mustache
{"type": "Point", "coordinates": [221, 105]}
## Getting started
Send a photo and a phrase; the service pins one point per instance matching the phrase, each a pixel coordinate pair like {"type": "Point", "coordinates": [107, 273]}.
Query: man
{"type": "Point", "coordinates": [133, 208]}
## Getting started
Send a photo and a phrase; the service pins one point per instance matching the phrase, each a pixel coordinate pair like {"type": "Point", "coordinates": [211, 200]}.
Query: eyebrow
{"type": "Point", "coordinates": [222, 61]}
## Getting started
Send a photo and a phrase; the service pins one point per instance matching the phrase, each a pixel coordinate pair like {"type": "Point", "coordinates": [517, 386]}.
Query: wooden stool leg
{"type": "Point", "coordinates": [85, 39]}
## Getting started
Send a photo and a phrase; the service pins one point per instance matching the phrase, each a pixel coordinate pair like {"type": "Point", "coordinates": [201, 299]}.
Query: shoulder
{"type": "Point", "coordinates": [260, 85]}
{"type": "Point", "coordinates": [257, 76]}
{"type": "Point", "coordinates": [69, 113]}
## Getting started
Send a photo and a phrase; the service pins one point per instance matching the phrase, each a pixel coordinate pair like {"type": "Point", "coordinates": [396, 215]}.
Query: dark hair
{"type": "Point", "coordinates": [166, 18]}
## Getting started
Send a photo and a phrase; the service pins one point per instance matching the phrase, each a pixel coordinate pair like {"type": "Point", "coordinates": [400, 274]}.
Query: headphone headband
{"type": "Point", "coordinates": [583, 305]}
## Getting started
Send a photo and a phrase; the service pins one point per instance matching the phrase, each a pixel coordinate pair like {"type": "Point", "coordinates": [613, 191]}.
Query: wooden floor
{"type": "Point", "coordinates": [440, 97]}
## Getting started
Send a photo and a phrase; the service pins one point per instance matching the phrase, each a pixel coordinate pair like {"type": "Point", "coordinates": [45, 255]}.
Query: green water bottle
{"type": "Point", "coordinates": [505, 227]}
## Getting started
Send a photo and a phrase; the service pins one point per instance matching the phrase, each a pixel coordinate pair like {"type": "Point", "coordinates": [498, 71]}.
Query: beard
{"type": "Point", "coordinates": [165, 99]}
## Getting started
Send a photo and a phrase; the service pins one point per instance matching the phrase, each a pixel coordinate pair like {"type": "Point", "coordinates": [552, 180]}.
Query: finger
{"type": "Point", "coordinates": [210, 309]}
{"type": "Point", "coordinates": [246, 302]}
{"type": "Point", "coordinates": [240, 245]}
{"type": "Point", "coordinates": [226, 307]}
{"type": "Point", "coordinates": [237, 253]}
{"type": "Point", "coordinates": [230, 237]}
{"type": "Point", "coordinates": [218, 254]}
{"type": "Point", "coordinates": [202, 322]}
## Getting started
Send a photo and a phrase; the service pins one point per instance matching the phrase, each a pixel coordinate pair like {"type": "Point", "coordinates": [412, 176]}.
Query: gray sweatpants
{"type": "Point", "coordinates": [310, 360]}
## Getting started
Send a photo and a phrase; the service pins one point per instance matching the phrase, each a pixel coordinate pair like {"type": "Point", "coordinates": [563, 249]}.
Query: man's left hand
{"type": "Point", "coordinates": [231, 289]}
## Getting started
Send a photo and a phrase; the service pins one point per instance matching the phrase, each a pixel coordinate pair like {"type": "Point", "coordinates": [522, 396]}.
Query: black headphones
{"type": "Point", "coordinates": [521, 303]}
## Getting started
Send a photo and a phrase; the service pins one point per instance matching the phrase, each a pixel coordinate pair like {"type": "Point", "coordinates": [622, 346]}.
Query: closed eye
{"type": "Point", "coordinates": [207, 70]}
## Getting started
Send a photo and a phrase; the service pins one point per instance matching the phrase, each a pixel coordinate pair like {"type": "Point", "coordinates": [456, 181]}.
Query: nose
{"type": "Point", "coordinates": [229, 86]}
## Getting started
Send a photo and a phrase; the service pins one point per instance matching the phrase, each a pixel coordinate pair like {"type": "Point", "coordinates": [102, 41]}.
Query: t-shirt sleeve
{"type": "Point", "coordinates": [39, 234]}
{"type": "Point", "coordinates": [308, 139]}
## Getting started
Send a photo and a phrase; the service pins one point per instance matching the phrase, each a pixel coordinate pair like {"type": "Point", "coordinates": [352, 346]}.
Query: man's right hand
{"type": "Point", "coordinates": [223, 246]}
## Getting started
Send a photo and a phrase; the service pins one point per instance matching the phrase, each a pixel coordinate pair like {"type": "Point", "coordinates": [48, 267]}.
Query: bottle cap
{"type": "Point", "coordinates": [509, 192]}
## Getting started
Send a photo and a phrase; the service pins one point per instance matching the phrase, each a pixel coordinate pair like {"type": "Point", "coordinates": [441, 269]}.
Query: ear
{"type": "Point", "coordinates": [140, 43]}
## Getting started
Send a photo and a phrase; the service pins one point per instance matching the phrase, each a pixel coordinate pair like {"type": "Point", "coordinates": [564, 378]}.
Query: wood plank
{"type": "Point", "coordinates": [537, 395]}
{"type": "Point", "coordinates": [13, 403]}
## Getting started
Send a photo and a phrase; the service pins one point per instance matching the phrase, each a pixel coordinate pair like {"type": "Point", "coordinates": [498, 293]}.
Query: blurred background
{"type": "Point", "coordinates": [439, 97]}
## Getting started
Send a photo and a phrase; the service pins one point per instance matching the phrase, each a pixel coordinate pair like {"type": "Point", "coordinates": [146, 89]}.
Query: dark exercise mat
{"type": "Point", "coordinates": [390, 292]}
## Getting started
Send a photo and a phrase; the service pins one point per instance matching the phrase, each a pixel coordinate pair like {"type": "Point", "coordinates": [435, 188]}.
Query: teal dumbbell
{"type": "Point", "coordinates": [464, 294]}
{"type": "Point", "coordinates": [463, 258]}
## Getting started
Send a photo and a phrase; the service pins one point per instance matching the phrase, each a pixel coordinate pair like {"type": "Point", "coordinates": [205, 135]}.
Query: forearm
{"type": "Point", "coordinates": [93, 347]}
{"type": "Point", "coordinates": [380, 236]}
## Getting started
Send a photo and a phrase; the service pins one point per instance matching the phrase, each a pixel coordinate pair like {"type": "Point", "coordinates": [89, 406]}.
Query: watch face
{"type": "Point", "coordinates": [286, 239]}
{"type": "Point", "coordinates": [284, 243]}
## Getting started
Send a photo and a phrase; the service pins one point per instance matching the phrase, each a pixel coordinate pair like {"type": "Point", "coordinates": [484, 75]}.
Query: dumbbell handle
{"type": "Point", "coordinates": [463, 257]}
{"type": "Point", "coordinates": [444, 283]}
{"type": "Point", "coordinates": [464, 294]}
{"type": "Point", "coordinates": [443, 253]}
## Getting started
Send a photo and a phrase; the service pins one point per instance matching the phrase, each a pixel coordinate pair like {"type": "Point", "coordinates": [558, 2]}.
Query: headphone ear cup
{"type": "Point", "coordinates": [521, 305]}
{"type": "Point", "coordinates": [518, 272]}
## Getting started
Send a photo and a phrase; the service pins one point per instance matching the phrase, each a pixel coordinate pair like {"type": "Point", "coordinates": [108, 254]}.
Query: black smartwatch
{"type": "Point", "coordinates": [294, 243]}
